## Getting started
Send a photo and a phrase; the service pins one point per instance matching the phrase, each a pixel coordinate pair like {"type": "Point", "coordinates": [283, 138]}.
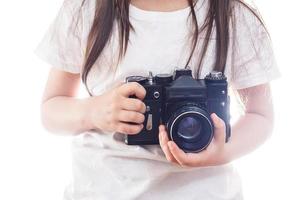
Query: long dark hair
{"type": "Point", "coordinates": [108, 12]}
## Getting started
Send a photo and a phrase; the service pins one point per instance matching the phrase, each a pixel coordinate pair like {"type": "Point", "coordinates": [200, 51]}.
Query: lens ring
{"type": "Point", "coordinates": [185, 113]}
{"type": "Point", "coordinates": [196, 144]}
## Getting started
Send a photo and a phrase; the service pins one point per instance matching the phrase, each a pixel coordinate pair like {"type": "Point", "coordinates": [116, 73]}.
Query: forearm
{"type": "Point", "coordinates": [248, 133]}
{"type": "Point", "coordinates": [65, 115]}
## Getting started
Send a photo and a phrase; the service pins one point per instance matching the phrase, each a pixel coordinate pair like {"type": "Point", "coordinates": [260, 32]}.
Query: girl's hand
{"type": "Point", "coordinates": [214, 154]}
{"type": "Point", "coordinates": [115, 111]}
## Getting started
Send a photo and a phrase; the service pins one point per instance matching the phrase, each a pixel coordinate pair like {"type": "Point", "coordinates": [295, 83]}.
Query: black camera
{"type": "Point", "coordinates": [184, 105]}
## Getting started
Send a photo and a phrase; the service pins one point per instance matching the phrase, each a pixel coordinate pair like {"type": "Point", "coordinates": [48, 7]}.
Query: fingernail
{"type": "Point", "coordinates": [216, 117]}
{"type": "Point", "coordinates": [160, 127]}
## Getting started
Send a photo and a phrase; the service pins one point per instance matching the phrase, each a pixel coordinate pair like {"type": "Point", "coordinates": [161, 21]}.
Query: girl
{"type": "Point", "coordinates": [104, 41]}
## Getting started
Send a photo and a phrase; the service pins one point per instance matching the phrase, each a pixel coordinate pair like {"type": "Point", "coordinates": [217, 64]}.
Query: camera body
{"type": "Point", "coordinates": [183, 104]}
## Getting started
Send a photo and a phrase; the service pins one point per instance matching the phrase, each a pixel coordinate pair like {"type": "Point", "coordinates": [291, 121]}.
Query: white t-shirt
{"type": "Point", "coordinates": [104, 167]}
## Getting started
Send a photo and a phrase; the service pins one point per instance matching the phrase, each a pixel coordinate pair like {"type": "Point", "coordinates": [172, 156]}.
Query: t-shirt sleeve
{"type": "Point", "coordinates": [61, 46]}
{"type": "Point", "coordinates": [252, 56]}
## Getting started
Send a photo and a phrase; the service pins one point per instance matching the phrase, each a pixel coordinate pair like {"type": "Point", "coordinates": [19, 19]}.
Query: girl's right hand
{"type": "Point", "coordinates": [115, 111]}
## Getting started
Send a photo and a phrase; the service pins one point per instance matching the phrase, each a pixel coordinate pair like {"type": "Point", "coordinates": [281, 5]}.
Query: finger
{"type": "Point", "coordinates": [129, 129]}
{"type": "Point", "coordinates": [133, 88]}
{"type": "Point", "coordinates": [180, 156]}
{"type": "Point", "coordinates": [188, 159]}
{"type": "Point", "coordinates": [133, 105]}
{"type": "Point", "coordinates": [131, 116]}
{"type": "Point", "coordinates": [219, 129]}
{"type": "Point", "coordinates": [163, 141]}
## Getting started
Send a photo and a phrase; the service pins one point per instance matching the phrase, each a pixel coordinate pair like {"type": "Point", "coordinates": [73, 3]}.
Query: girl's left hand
{"type": "Point", "coordinates": [214, 154]}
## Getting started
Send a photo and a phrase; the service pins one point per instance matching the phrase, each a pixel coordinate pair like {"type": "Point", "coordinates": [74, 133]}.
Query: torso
{"type": "Point", "coordinates": [104, 166]}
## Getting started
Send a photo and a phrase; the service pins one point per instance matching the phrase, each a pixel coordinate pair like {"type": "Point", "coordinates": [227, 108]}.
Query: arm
{"type": "Point", "coordinates": [248, 133]}
{"type": "Point", "coordinates": [256, 125]}
{"type": "Point", "coordinates": [63, 113]}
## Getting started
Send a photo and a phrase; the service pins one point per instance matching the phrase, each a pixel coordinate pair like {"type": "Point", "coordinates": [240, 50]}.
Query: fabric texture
{"type": "Point", "coordinates": [106, 168]}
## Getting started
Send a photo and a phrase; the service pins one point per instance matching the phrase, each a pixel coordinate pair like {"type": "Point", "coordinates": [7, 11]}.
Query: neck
{"type": "Point", "coordinates": [160, 5]}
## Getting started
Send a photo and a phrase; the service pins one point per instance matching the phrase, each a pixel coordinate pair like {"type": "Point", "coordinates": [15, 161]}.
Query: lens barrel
{"type": "Point", "coordinates": [190, 127]}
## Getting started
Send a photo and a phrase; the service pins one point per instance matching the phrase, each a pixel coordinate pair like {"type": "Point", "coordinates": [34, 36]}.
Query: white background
{"type": "Point", "coordinates": [35, 164]}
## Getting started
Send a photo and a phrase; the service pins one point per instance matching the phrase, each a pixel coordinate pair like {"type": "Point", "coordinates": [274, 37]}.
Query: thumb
{"type": "Point", "coordinates": [219, 128]}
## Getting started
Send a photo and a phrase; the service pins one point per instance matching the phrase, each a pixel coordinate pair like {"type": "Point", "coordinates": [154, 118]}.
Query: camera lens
{"type": "Point", "coordinates": [190, 127]}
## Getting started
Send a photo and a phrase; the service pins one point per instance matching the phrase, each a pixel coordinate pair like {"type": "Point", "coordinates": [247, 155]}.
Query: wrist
{"type": "Point", "coordinates": [87, 119]}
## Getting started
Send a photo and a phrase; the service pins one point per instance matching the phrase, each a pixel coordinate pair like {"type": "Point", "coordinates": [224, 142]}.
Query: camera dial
{"type": "Point", "coordinates": [139, 79]}
{"type": "Point", "coordinates": [215, 76]}
{"type": "Point", "coordinates": [163, 78]}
